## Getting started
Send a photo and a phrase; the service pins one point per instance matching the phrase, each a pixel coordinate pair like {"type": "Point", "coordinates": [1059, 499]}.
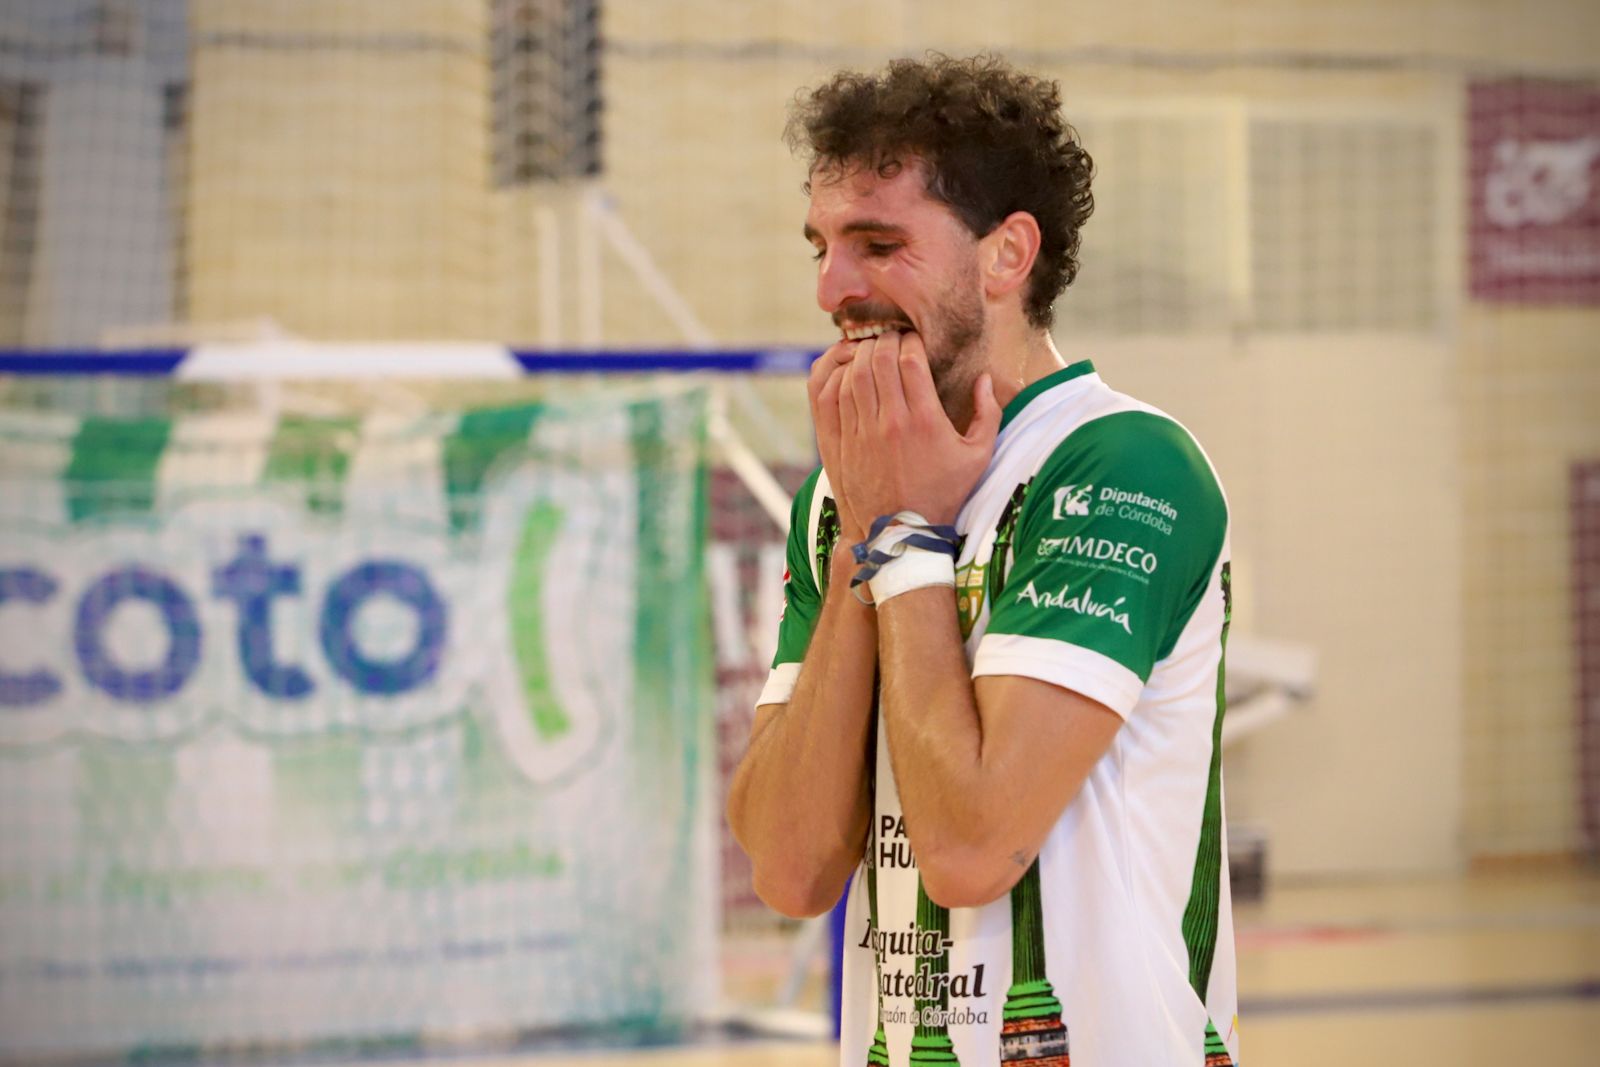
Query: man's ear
{"type": "Point", "coordinates": [1007, 253]}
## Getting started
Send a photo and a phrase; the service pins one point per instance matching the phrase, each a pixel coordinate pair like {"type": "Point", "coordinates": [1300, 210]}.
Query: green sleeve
{"type": "Point", "coordinates": [802, 598]}
{"type": "Point", "coordinates": [1115, 542]}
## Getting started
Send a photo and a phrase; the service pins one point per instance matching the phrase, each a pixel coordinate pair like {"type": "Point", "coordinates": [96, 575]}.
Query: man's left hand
{"type": "Point", "coordinates": [898, 448]}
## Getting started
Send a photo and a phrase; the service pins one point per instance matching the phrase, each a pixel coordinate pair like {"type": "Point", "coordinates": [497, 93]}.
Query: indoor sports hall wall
{"type": "Point", "coordinates": [1278, 256]}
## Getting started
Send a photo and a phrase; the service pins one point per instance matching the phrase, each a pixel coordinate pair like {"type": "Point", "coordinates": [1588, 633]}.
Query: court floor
{"type": "Point", "coordinates": [1496, 968]}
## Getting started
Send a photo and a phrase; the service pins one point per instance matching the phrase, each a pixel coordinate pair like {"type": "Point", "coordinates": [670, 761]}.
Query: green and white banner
{"type": "Point", "coordinates": [320, 729]}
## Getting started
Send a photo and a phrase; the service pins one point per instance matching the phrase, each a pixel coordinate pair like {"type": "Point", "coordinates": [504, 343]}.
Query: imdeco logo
{"type": "Point", "coordinates": [1101, 550]}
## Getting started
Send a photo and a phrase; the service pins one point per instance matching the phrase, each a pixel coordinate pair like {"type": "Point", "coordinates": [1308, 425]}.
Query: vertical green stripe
{"type": "Point", "coordinates": [1027, 928]}
{"type": "Point", "coordinates": [315, 454]}
{"type": "Point", "coordinates": [669, 555]}
{"type": "Point", "coordinates": [1200, 916]}
{"type": "Point", "coordinates": [672, 668]}
{"type": "Point", "coordinates": [481, 437]}
{"type": "Point", "coordinates": [699, 664]}
{"type": "Point", "coordinates": [113, 466]}
{"type": "Point", "coordinates": [930, 1043]}
{"type": "Point", "coordinates": [1031, 1023]}
{"type": "Point", "coordinates": [652, 625]}
{"type": "Point", "coordinates": [1005, 534]}
{"type": "Point", "coordinates": [1030, 996]}
{"type": "Point", "coordinates": [672, 665]}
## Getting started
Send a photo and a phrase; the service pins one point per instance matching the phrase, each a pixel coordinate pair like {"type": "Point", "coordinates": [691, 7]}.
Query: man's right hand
{"type": "Point", "coordinates": [827, 373]}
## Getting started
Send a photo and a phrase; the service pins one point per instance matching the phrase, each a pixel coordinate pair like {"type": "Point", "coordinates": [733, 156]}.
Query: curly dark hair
{"type": "Point", "coordinates": [992, 137]}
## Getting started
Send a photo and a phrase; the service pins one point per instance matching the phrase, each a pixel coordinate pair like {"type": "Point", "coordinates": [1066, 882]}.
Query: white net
{"type": "Point", "coordinates": [353, 727]}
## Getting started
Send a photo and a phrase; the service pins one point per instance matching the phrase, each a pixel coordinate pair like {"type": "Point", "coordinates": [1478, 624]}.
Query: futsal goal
{"type": "Point", "coordinates": [372, 696]}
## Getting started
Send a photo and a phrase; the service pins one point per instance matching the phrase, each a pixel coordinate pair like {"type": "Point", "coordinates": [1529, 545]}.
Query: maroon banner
{"type": "Point", "coordinates": [1586, 633]}
{"type": "Point", "coordinates": [1534, 229]}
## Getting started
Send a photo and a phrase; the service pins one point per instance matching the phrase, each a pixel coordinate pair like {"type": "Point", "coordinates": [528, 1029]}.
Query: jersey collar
{"type": "Point", "coordinates": [1049, 381]}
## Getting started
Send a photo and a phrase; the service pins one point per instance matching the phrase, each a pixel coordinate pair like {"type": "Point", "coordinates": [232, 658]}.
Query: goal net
{"type": "Point", "coordinates": [324, 721]}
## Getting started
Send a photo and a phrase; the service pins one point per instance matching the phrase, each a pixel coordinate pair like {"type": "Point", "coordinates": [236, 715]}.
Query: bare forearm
{"type": "Point", "coordinates": [984, 767]}
{"type": "Point", "coordinates": [931, 715]}
{"type": "Point", "coordinates": [960, 801]}
{"type": "Point", "coordinates": [799, 802]}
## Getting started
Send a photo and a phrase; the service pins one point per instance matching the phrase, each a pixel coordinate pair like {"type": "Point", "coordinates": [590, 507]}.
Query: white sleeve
{"type": "Point", "coordinates": [1082, 670]}
{"type": "Point", "coordinates": [780, 684]}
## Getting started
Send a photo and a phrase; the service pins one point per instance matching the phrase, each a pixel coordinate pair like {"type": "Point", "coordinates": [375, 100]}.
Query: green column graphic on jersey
{"type": "Point", "coordinates": [1005, 533]}
{"type": "Point", "coordinates": [1200, 916]}
{"type": "Point", "coordinates": [1216, 1051]}
{"type": "Point", "coordinates": [1031, 1029]}
{"type": "Point", "coordinates": [930, 1041]}
{"type": "Point", "coordinates": [527, 629]}
{"type": "Point", "coordinates": [977, 583]}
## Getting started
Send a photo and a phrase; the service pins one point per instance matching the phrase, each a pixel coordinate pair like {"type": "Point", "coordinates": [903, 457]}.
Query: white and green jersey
{"type": "Point", "coordinates": [1094, 557]}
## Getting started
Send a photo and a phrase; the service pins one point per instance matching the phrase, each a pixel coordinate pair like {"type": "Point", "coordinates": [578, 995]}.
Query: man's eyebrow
{"type": "Point", "coordinates": [859, 226]}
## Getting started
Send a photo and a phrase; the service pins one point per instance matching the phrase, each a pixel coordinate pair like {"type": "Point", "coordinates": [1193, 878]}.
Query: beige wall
{"type": "Point", "coordinates": [1530, 406]}
{"type": "Point", "coordinates": [1398, 499]}
{"type": "Point", "coordinates": [1339, 460]}
{"type": "Point", "coordinates": [338, 185]}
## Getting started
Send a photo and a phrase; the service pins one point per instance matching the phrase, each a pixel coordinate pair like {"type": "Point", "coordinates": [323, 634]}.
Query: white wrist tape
{"type": "Point", "coordinates": [914, 569]}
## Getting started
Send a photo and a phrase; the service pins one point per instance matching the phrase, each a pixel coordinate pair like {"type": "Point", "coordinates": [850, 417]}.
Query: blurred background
{"type": "Point", "coordinates": [1353, 245]}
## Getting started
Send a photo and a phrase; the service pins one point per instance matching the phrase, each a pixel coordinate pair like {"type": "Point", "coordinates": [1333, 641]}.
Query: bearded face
{"type": "Point", "coordinates": [890, 257]}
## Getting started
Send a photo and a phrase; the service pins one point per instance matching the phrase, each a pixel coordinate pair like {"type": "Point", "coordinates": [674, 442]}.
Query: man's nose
{"type": "Point", "coordinates": [840, 281]}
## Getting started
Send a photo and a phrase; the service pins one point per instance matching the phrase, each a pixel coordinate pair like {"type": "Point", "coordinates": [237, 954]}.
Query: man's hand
{"type": "Point", "coordinates": [897, 449]}
{"type": "Point", "coordinates": [827, 374]}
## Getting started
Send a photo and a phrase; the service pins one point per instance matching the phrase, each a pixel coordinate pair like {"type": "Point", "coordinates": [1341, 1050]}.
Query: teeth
{"type": "Point", "coordinates": [861, 333]}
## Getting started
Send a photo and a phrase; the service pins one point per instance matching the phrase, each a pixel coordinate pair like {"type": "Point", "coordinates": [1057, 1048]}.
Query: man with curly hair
{"type": "Point", "coordinates": [997, 697]}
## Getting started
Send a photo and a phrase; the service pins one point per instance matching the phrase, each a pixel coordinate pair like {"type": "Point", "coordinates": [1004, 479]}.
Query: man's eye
{"type": "Point", "coordinates": [881, 248]}
{"type": "Point", "coordinates": [816, 257]}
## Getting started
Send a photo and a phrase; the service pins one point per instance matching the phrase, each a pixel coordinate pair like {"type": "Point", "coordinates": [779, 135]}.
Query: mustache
{"type": "Point", "coordinates": [862, 314]}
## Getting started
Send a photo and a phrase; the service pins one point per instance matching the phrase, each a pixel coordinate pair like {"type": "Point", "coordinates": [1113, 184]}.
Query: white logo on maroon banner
{"type": "Point", "coordinates": [1538, 183]}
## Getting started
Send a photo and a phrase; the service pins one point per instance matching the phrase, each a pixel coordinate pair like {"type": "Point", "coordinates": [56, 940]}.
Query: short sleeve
{"type": "Point", "coordinates": [802, 598]}
{"type": "Point", "coordinates": [1115, 544]}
